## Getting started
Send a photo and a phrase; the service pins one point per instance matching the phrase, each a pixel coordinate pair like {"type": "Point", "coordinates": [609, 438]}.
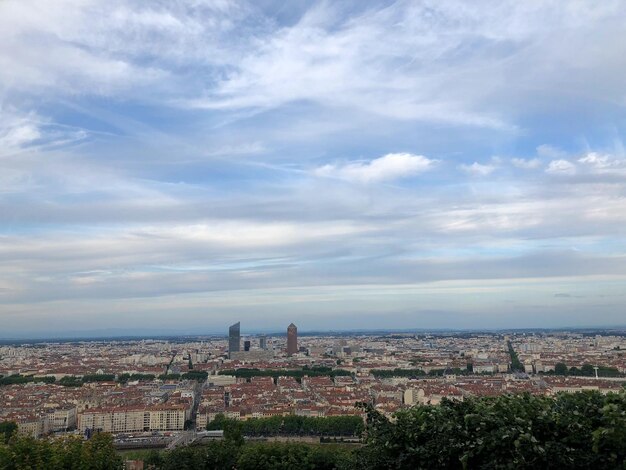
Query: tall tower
{"type": "Point", "coordinates": [234, 338]}
{"type": "Point", "coordinates": [263, 342]}
{"type": "Point", "coordinates": [292, 339]}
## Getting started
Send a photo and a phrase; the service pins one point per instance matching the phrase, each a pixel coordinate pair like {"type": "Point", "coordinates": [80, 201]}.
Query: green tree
{"type": "Point", "coordinates": [233, 433]}
{"type": "Point", "coordinates": [560, 369]}
{"type": "Point", "coordinates": [579, 431]}
{"type": "Point", "coordinates": [7, 429]}
{"type": "Point", "coordinates": [70, 381]}
{"type": "Point", "coordinates": [153, 460]}
{"type": "Point", "coordinates": [516, 365]}
{"type": "Point", "coordinates": [100, 453]}
{"type": "Point", "coordinates": [587, 369]}
{"type": "Point", "coordinates": [184, 458]}
{"type": "Point", "coordinates": [294, 456]}
{"type": "Point", "coordinates": [69, 453]}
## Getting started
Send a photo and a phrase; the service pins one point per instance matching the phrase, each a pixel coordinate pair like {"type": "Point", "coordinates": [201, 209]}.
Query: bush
{"type": "Point", "coordinates": [581, 430]}
{"type": "Point", "coordinates": [69, 452]}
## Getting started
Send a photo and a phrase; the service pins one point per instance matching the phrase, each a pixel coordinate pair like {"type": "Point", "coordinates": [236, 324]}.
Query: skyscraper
{"type": "Point", "coordinates": [263, 342]}
{"type": "Point", "coordinates": [292, 339]}
{"type": "Point", "coordinates": [234, 338]}
{"type": "Point", "coordinates": [246, 345]}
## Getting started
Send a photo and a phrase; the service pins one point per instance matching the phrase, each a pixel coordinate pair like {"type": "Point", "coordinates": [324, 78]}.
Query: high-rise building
{"type": "Point", "coordinates": [234, 338]}
{"type": "Point", "coordinates": [246, 345]}
{"type": "Point", "coordinates": [292, 339]}
{"type": "Point", "coordinates": [263, 342]}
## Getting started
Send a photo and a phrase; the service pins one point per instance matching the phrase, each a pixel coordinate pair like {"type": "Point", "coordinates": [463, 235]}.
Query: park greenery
{"type": "Point", "coordinates": [388, 373]}
{"type": "Point", "coordinates": [78, 381]}
{"type": "Point", "coordinates": [586, 370]}
{"type": "Point", "coordinates": [73, 381]}
{"type": "Point", "coordinates": [72, 452]}
{"type": "Point", "coordinates": [125, 378]}
{"type": "Point", "coordinates": [516, 365]}
{"type": "Point", "coordinates": [292, 426]}
{"type": "Point", "coordinates": [227, 454]}
{"type": "Point", "coordinates": [296, 373]}
{"type": "Point", "coordinates": [23, 379]}
{"type": "Point", "coordinates": [198, 375]}
{"type": "Point", "coordinates": [169, 377]}
{"type": "Point", "coordinates": [575, 431]}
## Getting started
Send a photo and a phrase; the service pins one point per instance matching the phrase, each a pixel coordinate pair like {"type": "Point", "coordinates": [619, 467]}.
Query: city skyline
{"type": "Point", "coordinates": [171, 167]}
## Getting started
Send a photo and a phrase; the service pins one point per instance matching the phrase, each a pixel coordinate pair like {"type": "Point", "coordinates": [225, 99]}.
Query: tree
{"type": "Point", "coordinates": [7, 429]}
{"type": "Point", "coordinates": [293, 456]}
{"type": "Point", "coordinates": [25, 452]}
{"type": "Point", "coordinates": [582, 430]}
{"type": "Point", "coordinates": [153, 460]}
{"type": "Point", "coordinates": [587, 369]}
{"type": "Point", "coordinates": [516, 365]}
{"type": "Point", "coordinates": [183, 458]}
{"type": "Point", "coordinates": [232, 433]}
{"type": "Point", "coordinates": [70, 381]}
{"type": "Point", "coordinates": [560, 369]}
{"type": "Point", "coordinates": [100, 453]}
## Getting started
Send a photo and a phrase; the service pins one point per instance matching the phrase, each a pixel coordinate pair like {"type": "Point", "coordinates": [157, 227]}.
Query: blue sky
{"type": "Point", "coordinates": [431, 164]}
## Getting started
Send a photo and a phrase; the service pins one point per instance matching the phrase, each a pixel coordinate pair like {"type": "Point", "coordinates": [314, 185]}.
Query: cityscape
{"type": "Point", "coordinates": [154, 391]}
{"type": "Point", "coordinates": [312, 235]}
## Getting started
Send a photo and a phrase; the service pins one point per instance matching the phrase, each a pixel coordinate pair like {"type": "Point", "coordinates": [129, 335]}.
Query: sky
{"type": "Point", "coordinates": [182, 165]}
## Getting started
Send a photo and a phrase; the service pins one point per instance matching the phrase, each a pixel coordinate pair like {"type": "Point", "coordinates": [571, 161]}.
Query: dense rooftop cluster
{"type": "Point", "coordinates": [165, 386]}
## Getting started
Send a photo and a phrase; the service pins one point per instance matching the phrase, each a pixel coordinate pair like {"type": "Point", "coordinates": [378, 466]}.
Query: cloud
{"type": "Point", "coordinates": [402, 61]}
{"type": "Point", "coordinates": [550, 151]}
{"type": "Point", "coordinates": [389, 167]}
{"type": "Point", "coordinates": [561, 167]}
{"type": "Point", "coordinates": [175, 149]}
{"type": "Point", "coordinates": [526, 164]}
{"type": "Point", "coordinates": [18, 135]}
{"type": "Point", "coordinates": [21, 131]}
{"type": "Point", "coordinates": [477, 169]}
{"type": "Point", "coordinates": [17, 130]}
{"type": "Point", "coordinates": [602, 162]}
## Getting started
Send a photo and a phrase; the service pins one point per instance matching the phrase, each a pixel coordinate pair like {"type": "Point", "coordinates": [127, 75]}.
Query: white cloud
{"type": "Point", "coordinates": [477, 169]}
{"type": "Point", "coordinates": [561, 167]}
{"type": "Point", "coordinates": [112, 47]}
{"type": "Point", "coordinates": [429, 61]}
{"type": "Point", "coordinates": [408, 60]}
{"type": "Point", "coordinates": [550, 151]}
{"type": "Point", "coordinates": [20, 131]}
{"type": "Point", "coordinates": [154, 189]}
{"type": "Point", "coordinates": [599, 161]}
{"type": "Point", "coordinates": [527, 164]}
{"type": "Point", "coordinates": [386, 168]}
{"type": "Point", "coordinates": [17, 131]}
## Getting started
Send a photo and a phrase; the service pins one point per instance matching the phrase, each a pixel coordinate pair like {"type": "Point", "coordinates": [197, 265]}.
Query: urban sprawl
{"type": "Point", "coordinates": [165, 390]}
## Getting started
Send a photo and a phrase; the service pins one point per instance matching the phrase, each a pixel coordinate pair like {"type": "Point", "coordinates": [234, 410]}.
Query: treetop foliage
{"type": "Point", "coordinates": [585, 430]}
{"type": "Point", "coordinates": [296, 373]}
{"type": "Point", "coordinates": [73, 452]}
{"type": "Point", "coordinates": [293, 426]}
{"type": "Point", "coordinates": [580, 430]}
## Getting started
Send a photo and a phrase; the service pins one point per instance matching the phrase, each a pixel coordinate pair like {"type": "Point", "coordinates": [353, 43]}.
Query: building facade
{"type": "Point", "coordinates": [292, 339]}
{"type": "Point", "coordinates": [114, 420]}
{"type": "Point", "coordinates": [234, 338]}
